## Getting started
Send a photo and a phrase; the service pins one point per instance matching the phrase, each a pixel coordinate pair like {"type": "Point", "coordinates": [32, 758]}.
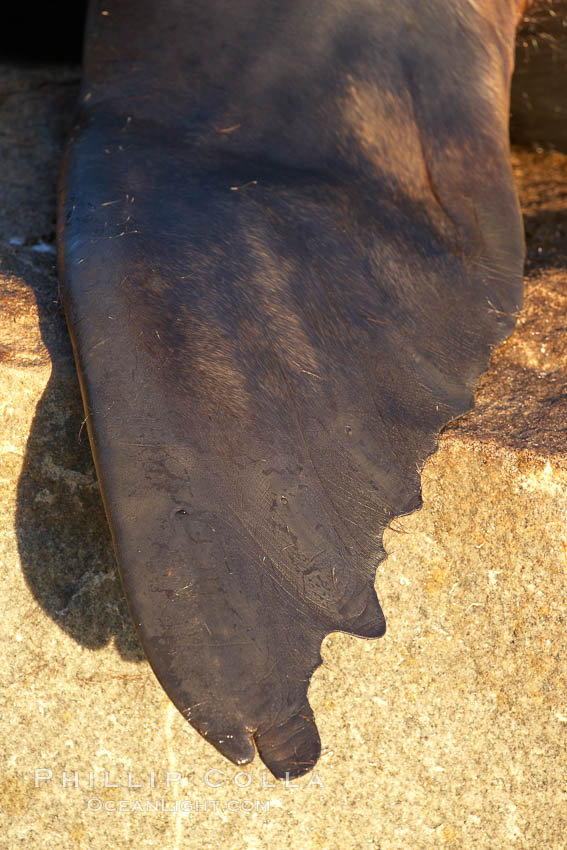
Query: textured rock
{"type": "Point", "coordinates": [451, 730]}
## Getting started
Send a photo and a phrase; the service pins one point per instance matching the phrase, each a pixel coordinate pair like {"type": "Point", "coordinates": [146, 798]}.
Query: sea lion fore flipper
{"type": "Point", "coordinates": [285, 264]}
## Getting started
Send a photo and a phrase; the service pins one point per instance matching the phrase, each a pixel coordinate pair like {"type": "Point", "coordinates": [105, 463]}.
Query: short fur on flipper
{"type": "Point", "coordinates": [289, 241]}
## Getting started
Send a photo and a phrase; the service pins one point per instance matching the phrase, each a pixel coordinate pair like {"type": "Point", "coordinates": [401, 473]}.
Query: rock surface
{"type": "Point", "coordinates": [450, 731]}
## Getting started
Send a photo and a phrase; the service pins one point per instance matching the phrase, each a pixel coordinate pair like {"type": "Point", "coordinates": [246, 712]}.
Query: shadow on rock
{"type": "Point", "coordinates": [63, 537]}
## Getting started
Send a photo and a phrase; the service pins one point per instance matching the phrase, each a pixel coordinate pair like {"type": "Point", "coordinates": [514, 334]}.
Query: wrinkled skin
{"type": "Point", "coordinates": [289, 241]}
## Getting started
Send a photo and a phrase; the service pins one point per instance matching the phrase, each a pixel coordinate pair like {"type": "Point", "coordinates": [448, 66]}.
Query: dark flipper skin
{"type": "Point", "coordinates": [289, 241]}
